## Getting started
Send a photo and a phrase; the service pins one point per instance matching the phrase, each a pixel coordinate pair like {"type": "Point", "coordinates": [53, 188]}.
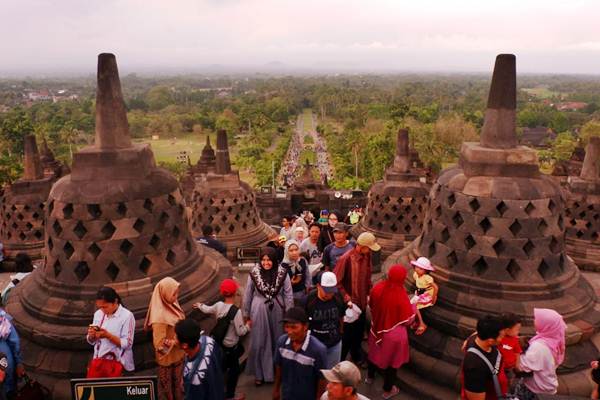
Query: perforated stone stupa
{"type": "Point", "coordinates": [22, 207]}
{"type": "Point", "coordinates": [116, 220]}
{"type": "Point", "coordinates": [396, 205]}
{"type": "Point", "coordinates": [219, 198]}
{"type": "Point", "coordinates": [495, 231]}
{"type": "Point", "coordinates": [583, 211]}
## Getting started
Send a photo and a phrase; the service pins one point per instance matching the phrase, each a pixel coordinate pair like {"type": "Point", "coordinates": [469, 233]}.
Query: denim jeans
{"type": "Point", "coordinates": [334, 353]}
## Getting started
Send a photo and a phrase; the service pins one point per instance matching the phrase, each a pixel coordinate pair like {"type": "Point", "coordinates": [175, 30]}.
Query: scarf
{"type": "Point", "coordinates": [294, 266]}
{"type": "Point", "coordinates": [5, 325]}
{"type": "Point", "coordinates": [550, 329]}
{"type": "Point", "coordinates": [389, 303]}
{"type": "Point", "coordinates": [268, 282]}
{"type": "Point", "coordinates": [164, 307]}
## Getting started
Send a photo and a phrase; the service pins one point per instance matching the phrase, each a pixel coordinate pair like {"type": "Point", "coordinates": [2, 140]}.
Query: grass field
{"type": "Point", "coordinates": [542, 92]}
{"type": "Point", "coordinates": [169, 149]}
{"type": "Point", "coordinates": [307, 118]}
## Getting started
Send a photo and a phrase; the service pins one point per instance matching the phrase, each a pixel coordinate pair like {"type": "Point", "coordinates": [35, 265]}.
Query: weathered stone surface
{"type": "Point", "coordinates": [495, 231]}
{"type": "Point", "coordinates": [499, 125]}
{"type": "Point", "coordinates": [118, 220]}
{"type": "Point", "coordinates": [22, 206]}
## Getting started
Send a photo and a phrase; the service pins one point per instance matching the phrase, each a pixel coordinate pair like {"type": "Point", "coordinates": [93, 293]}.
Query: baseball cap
{"type": "Point", "coordinates": [295, 315]}
{"type": "Point", "coordinates": [343, 372]}
{"type": "Point", "coordinates": [368, 239]}
{"type": "Point", "coordinates": [228, 287]}
{"type": "Point", "coordinates": [340, 227]}
{"type": "Point", "coordinates": [328, 282]}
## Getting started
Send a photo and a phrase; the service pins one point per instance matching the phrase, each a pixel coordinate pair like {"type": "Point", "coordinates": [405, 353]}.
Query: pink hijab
{"type": "Point", "coordinates": [550, 329]}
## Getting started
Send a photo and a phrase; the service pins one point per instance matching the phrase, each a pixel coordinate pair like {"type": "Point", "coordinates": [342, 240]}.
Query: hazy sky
{"type": "Point", "coordinates": [399, 35]}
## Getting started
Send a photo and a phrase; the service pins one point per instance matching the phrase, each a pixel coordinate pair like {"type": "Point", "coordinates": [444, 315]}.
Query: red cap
{"type": "Point", "coordinates": [229, 287]}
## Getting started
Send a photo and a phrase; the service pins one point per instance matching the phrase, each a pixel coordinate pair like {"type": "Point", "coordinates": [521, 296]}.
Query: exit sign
{"type": "Point", "coordinates": [124, 388]}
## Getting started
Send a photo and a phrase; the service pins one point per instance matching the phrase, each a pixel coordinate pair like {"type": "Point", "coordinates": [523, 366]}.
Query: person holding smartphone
{"type": "Point", "coordinates": [111, 334]}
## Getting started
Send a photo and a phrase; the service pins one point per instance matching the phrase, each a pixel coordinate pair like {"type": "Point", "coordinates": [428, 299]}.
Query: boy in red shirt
{"type": "Point", "coordinates": [509, 346]}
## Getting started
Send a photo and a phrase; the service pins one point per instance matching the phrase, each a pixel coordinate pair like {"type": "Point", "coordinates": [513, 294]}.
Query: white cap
{"type": "Point", "coordinates": [328, 282]}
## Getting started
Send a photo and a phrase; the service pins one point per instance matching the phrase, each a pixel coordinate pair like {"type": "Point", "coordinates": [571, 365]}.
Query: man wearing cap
{"type": "Point", "coordinates": [325, 309]}
{"type": "Point", "coordinates": [353, 272]}
{"type": "Point", "coordinates": [342, 382]}
{"type": "Point", "coordinates": [298, 360]}
{"type": "Point", "coordinates": [340, 246]}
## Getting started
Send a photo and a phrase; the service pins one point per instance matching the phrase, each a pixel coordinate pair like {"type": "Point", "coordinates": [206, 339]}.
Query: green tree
{"type": "Point", "coordinates": [591, 128]}
{"type": "Point", "coordinates": [159, 97]}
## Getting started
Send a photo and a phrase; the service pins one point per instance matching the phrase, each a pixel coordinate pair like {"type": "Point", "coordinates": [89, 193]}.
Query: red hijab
{"type": "Point", "coordinates": [389, 303]}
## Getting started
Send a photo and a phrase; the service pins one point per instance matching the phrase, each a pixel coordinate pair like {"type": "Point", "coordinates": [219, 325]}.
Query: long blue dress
{"type": "Point", "coordinates": [266, 326]}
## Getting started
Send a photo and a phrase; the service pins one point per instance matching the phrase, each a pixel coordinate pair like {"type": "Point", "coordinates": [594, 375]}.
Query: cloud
{"type": "Point", "coordinates": [67, 34]}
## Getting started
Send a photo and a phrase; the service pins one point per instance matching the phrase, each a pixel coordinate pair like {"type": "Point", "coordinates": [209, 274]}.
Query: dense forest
{"type": "Point", "coordinates": [357, 114]}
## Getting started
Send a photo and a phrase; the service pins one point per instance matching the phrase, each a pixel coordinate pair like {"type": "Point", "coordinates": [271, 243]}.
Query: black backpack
{"type": "Point", "coordinates": [219, 332]}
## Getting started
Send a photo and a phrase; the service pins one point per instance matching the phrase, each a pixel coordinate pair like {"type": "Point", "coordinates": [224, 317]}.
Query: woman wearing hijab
{"type": "Point", "coordinates": [545, 353]}
{"type": "Point", "coordinates": [10, 347]}
{"type": "Point", "coordinates": [268, 295]}
{"type": "Point", "coordinates": [297, 269]}
{"type": "Point", "coordinates": [327, 230]}
{"type": "Point", "coordinates": [163, 313]}
{"type": "Point", "coordinates": [391, 313]}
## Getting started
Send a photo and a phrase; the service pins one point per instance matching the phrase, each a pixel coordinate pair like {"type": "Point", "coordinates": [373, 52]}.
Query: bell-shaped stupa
{"type": "Point", "coordinates": [220, 199]}
{"type": "Point", "coordinates": [396, 205]}
{"type": "Point", "coordinates": [23, 204]}
{"type": "Point", "coordinates": [583, 211]}
{"type": "Point", "coordinates": [116, 220]}
{"type": "Point", "coordinates": [495, 231]}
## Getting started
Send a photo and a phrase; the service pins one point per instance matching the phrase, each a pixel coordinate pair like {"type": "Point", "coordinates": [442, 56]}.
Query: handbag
{"type": "Point", "coordinates": [31, 390]}
{"type": "Point", "coordinates": [106, 366]}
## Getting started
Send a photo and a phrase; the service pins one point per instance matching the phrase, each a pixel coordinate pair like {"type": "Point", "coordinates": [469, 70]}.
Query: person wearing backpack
{"type": "Point", "coordinates": [482, 370]}
{"type": "Point", "coordinates": [227, 332]}
{"type": "Point", "coordinates": [325, 309]}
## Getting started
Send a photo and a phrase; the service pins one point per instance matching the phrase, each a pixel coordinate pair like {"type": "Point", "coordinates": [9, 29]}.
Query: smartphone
{"type": "Point", "coordinates": [95, 327]}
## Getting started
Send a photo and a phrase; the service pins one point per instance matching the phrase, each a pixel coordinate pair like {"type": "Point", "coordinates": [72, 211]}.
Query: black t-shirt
{"type": "Point", "coordinates": [477, 375]}
{"type": "Point", "coordinates": [325, 317]}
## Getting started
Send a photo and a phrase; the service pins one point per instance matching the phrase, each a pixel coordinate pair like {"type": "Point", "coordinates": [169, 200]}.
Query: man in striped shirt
{"type": "Point", "coordinates": [298, 360]}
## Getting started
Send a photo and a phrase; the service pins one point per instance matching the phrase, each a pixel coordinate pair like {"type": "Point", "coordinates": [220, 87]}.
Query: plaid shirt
{"type": "Point", "coordinates": [353, 272]}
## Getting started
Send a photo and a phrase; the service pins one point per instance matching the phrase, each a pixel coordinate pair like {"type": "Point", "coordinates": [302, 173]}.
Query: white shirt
{"type": "Point", "coordinates": [236, 328]}
{"type": "Point", "coordinates": [539, 360]}
{"type": "Point", "coordinates": [122, 325]}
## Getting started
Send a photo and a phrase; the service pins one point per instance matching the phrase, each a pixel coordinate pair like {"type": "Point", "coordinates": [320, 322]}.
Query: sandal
{"type": "Point", "coordinates": [258, 382]}
{"type": "Point", "coordinates": [391, 393]}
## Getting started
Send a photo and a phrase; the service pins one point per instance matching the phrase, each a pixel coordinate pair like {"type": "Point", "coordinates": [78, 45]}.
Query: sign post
{"type": "Point", "coordinates": [124, 388]}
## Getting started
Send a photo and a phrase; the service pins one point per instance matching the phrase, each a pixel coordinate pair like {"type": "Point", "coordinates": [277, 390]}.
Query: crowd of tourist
{"type": "Point", "coordinates": [291, 168]}
{"type": "Point", "coordinates": [307, 306]}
